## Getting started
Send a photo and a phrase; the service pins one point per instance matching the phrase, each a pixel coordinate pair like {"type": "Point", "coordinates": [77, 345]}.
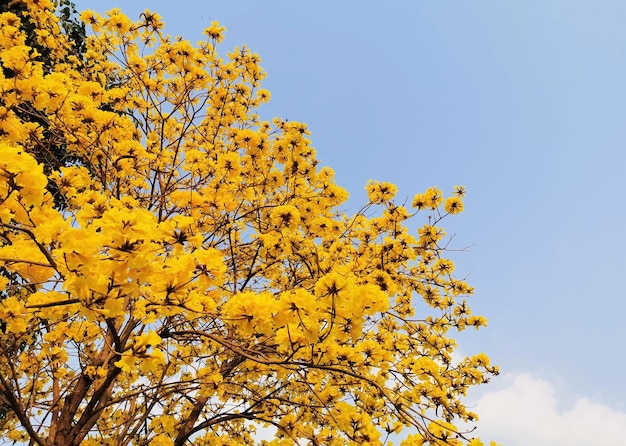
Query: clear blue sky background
{"type": "Point", "coordinates": [523, 102]}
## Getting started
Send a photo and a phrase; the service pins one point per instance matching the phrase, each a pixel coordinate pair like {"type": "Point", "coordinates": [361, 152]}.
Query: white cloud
{"type": "Point", "coordinates": [527, 412]}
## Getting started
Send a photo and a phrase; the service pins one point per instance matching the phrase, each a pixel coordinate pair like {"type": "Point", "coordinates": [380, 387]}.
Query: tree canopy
{"type": "Point", "coordinates": [201, 280]}
{"type": "Point", "coordinates": [51, 149]}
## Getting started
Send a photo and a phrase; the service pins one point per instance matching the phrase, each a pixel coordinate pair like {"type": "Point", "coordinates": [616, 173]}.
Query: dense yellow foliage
{"type": "Point", "coordinates": [201, 277]}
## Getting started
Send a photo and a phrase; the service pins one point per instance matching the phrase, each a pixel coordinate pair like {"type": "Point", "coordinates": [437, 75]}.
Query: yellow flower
{"type": "Point", "coordinates": [150, 339]}
{"type": "Point", "coordinates": [459, 190]}
{"type": "Point", "coordinates": [453, 205]}
{"type": "Point", "coordinates": [14, 315]}
{"type": "Point", "coordinates": [151, 361]}
{"type": "Point", "coordinates": [380, 192]}
{"type": "Point", "coordinates": [117, 21]}
{"type": "Point", "coordinates": [126, 362]}
{"type": "Point", "coordinates": [433, 197]}
{"type": "Point", "coordinates": [419, 201]}
{"type": "Point", "coordinates": [286, 216]}
{"type": "Point", "coordinates": [215, 32]}
{"type": "Point", "coordinates": [20, 172]}
{"type": "Point", "coordinates": [16, 57]}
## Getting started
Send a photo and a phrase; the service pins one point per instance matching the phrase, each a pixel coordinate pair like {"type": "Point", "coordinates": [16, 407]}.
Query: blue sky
{"type": "Point", "coordinates": [524, 103]}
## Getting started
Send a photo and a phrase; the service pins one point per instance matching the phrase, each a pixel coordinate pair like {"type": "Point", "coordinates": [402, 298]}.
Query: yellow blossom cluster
{"type": "Point", "coordinates": [201, 275]}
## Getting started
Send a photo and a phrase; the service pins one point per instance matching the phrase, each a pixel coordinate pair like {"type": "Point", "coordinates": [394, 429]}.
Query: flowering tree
{"type": "Point", "coordinates": [201, 281]}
